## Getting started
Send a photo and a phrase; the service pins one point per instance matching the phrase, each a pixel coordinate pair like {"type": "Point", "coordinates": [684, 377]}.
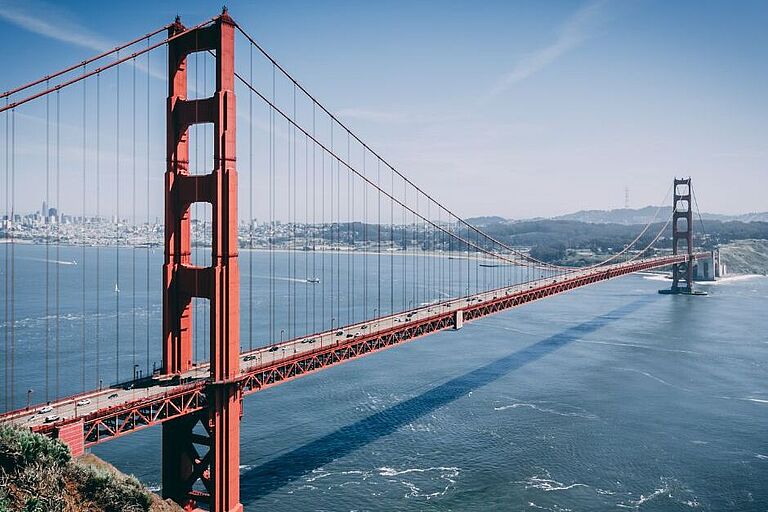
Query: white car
{"type": "Point", "coordinates": [51, 418]}
{"type": "Point", "coordinates": [45, 409]}
{"type": "Point", "coordinates": [84, 401]}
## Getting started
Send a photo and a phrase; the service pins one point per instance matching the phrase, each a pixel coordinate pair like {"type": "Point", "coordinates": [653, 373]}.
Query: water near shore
{"type": "Point", "coordinates": [604, 398]}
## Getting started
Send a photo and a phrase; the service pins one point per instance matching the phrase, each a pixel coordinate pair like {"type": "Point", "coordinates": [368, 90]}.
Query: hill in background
{"type": "Point", "coordinates": [625, 216]}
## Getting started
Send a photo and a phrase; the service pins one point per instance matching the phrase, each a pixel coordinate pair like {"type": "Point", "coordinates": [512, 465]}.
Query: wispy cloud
{"type": "Point", "coordinates": [52, 22]}
{"type": "Point", "coordinates": [59, 25]}
{"type": "Point", "coordinates": [573, 33]}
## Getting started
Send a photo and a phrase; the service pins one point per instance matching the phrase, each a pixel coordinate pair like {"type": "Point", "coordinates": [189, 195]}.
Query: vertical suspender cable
{"type": "Point", "coordinates": [149, 219]}
{"type": "Point", "coordinates": [293, 223]}
{"type": "Point", "coordinates": [350, 242]}
{"type": "Point", "coordinates": [392, 242]}
{"type": "Point", "coordinates": [306, 234]}
{"type": "Point", "coordinates": [314, 226]}
{"type": "Point", "coordinates": [290, 285]}
{"type": "Point", "coordinates": [365, 244]}
{"type": "Point", "coordinates": [288, 282]}
{"type": "Point", "coordinates": [335, 160]}
{"type": "Point", "coordinates": [46, 225]}
{"type": "Point", "coordinates": [197, 334]}
{"type": "Point", "coordinates": [323, 297]}
{"type": "Point", "coordinates": [378, 239]}
{"type": "Point", "coordinates": [468, 263]}
{"type": "Point", "coordinates": [133, 223]}
{"type": "Point", "coordinates": [416, 254]}
{"type": "Point", "coordinates": [406, 240]}
{"type": "Point", "coordinates": [58, 239]}
{"type": "Point", "coordinates": [207, 211]}
{"type": "Point", "coordinates": [272, 213]}
{"type": "Point", "coordinates": [117, 224]}
{"type": "Point", "coordinates": [98, 234]}
{"type": "Point", "coordinates": [332, 226]}
{"type": "Point", "coordinates": [13, 258]}
{"type": "Point", "coordinates": [9, 228]}
{"type": "Point", "coordinates": [250, 202]}
{"type": "Point", "coordinates": [83, 262]}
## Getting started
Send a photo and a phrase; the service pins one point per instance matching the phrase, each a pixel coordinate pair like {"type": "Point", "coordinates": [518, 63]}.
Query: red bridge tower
{"type": "Point", "coordinates": [682, 212]}
{"type": "Point", "coordinates": [201, 452]}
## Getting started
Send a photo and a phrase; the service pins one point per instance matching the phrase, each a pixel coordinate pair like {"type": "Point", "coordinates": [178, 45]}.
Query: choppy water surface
{"type": "Point", "coordinates": [609, 397]}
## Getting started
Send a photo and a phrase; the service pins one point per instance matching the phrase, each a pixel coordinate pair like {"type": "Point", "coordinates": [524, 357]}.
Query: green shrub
{"type": "Point", "coordinates": [36, 472]}
{"type": "Point", "coordinates": [110, 492]}
{"type": "Point", "coordinates": [19, 447]}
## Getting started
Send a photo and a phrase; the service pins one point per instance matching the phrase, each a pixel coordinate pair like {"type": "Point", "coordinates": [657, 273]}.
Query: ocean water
{"type": "Point", "coordinates": [604, 398]}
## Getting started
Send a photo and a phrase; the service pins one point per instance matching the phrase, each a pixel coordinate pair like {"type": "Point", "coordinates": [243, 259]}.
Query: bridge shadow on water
{"type": "Point", "coordinates": [262, 480]}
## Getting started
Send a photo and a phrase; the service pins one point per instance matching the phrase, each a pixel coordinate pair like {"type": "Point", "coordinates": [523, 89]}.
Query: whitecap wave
{"type": "Point", "coordinates": [669, 488]}
{"type": "Point", "coordinates": [550, 408]}
{"type": "Point", "coordinates": [545, 482]}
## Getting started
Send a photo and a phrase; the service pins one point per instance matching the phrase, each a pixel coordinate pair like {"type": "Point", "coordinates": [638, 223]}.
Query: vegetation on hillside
{"type": "Point", "coordinates": [38, 474]}
{"type": "Point", "coordinates": [746, 257]}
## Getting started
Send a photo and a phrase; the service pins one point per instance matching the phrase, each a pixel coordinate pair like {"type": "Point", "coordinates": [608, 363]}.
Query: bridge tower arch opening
{"type": "Point", "coordinates": [201, 452]}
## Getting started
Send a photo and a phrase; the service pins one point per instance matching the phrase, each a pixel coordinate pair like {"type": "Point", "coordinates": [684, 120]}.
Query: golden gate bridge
{"type": "Point", "coordinates": [327, 195]}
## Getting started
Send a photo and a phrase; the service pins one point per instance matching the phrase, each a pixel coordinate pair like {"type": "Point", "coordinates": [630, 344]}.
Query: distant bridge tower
{"type": "Point", "coordinates": [201, 452]}
{"type": "Point", "coordinates": [682, 232]}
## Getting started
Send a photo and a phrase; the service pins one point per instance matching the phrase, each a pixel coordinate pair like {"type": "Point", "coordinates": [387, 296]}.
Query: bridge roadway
{"type": "Point", "coordinates": [118, 410]}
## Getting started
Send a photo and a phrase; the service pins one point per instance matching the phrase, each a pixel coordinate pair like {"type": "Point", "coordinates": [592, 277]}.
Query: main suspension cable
{"type": "Point", "coordinates": [84, 63]}
{"type": "Point", "coordinates": [101, 69]}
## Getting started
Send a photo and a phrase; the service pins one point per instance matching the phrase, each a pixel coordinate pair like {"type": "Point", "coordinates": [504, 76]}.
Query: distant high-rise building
{"type": "Point", "coordinates": [44, 210]}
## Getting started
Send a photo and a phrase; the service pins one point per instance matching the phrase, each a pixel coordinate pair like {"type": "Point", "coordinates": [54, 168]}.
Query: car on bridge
{"type": "Point", "coordinates": [45, 410]}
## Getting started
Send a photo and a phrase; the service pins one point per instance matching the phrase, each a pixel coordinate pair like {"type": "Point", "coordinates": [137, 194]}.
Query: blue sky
{"type": "Point", "coordinates": [518, 109]}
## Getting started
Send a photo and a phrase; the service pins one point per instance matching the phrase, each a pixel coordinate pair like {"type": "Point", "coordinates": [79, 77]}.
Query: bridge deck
{"type": "Point", "coordinates": [113, 412]}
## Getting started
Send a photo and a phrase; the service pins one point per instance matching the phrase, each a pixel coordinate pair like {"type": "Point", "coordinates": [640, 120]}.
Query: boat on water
{"type": "Point", "coordinates": [313, 280]}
